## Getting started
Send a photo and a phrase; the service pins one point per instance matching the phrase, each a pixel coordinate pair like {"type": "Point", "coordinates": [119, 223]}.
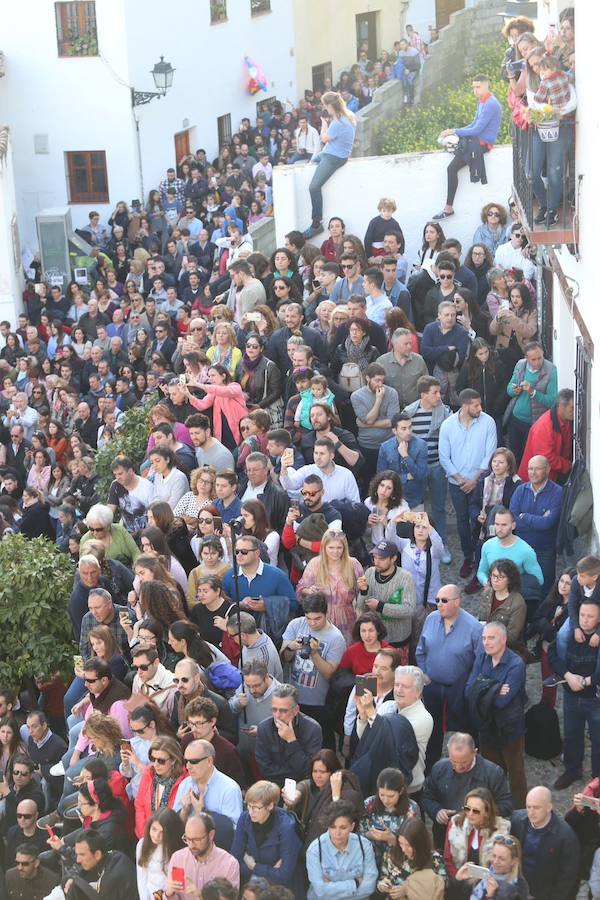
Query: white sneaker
{"type": "Point", "coordinates": [57, 769]}
{"type": "Point", "coordinates": [446, 556]}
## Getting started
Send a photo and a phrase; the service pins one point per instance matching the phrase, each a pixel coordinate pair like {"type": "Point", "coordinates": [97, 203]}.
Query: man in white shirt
{"type": "Point", "coordinates": [339, 483]}
{"type": "Point", "coordinates": [308, 141]}
{"type": "Point", "coordinates": [408, 688]}
{"type": "Point", "coordinates": [378, 301]}
{"type": "Point", "coordinates": [21, 414]}
{"type": "Point", "coordinates": [510, 255]}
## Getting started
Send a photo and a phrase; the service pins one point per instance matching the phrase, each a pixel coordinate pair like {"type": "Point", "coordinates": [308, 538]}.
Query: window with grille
{"type": "Point", "coordinates": [87, 177]}
{"type": "Point", "coordinates": [224, 130]}
{"type": "Point", "coordinates": [218, 11]}
{"type": "Point", "coordinates": [581, 425]}
{"type": "Point", "coordinates": [319, 74]}
{"type": "Point", "coordinates": [259, 6]}
{"type": "Point", "coordinates": [263, 106]}
{"type": "Point", "coordinates": [76, 32]}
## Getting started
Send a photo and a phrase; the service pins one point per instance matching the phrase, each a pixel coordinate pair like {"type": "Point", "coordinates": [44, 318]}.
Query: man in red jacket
{"type": "Point", "coordinates": [552, 436]}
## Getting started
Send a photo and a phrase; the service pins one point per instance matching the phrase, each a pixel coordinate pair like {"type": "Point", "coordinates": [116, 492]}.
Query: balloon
{"type": "Point", "coordinates": [257, 80]}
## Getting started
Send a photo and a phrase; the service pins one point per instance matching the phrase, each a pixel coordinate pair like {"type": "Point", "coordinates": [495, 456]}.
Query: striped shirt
{"type": "Point", "coordinates": [421, 425]}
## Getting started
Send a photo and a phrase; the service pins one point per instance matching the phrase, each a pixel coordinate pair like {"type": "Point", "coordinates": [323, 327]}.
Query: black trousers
{"type": "Point", "coordinates": [456, 164]}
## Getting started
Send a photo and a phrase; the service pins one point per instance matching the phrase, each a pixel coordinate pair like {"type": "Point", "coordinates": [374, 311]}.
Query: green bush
{"type": "Point", "coordinates": [34, 623]}
{"type": "Point", "coordinates": [130, 440]}
{"type": "Point", "coordinates": [416, 130]}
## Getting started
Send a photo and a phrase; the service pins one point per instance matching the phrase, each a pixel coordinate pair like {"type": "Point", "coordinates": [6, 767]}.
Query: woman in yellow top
{"type": "Point", "coordinates": [224, 348]}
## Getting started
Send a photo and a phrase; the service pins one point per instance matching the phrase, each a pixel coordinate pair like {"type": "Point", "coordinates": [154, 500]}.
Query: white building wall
{"type": "Point", "coordinates": [75, 101]}
{"type": "Point", "coordinates": [421, 15]}
{"type": "Point", "coordinates": [84, 103]}
{"type": "Point", "coordinates": [11, 279]}
{"type": "Point", "coordinates": [210, 77]}
{"type": "Point", "coordinates": [417, 182]}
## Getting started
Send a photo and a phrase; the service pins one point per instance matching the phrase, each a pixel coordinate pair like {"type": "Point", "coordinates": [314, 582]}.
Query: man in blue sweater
{"type": "Point", "coordinates": [257, 580]}
{"type": "Point", "coordinates": [406, 455]}
{"type": "Point", "coordinates": [536, 506]}
{"type": "Point", "coordinates": [484, 128]}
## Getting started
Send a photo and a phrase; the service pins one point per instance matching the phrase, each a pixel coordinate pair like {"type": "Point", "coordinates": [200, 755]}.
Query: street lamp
{"type": "Point", "coordinates": [162, 73]}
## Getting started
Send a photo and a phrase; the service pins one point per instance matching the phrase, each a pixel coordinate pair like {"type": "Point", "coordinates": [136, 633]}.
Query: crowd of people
{"type": "Point", "coordinates": [276, 692]}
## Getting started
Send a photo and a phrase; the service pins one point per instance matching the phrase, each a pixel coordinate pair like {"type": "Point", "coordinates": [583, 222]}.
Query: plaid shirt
{"type": "Point", "coordinates": [554, 90]}
{"type": "Point", "coordinates": [179, 186]}
{"type": "Point", "coordinates": [89, 621]}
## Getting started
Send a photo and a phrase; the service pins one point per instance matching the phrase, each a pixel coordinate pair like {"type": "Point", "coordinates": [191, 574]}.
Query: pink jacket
{"type": "Point", "coordinates": [227, 399]}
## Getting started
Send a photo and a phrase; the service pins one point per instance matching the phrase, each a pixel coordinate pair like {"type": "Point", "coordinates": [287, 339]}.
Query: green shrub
{"type": "Point", "coordinates": [416, 130]}
{"type": "Point", "coordinates": [34, 595]}
{"type": "Point", "coordinates": [130, 440]}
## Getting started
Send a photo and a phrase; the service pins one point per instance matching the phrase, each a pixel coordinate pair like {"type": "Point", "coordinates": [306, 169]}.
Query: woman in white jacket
{"type": "Point", "coordinates": [162, 837]}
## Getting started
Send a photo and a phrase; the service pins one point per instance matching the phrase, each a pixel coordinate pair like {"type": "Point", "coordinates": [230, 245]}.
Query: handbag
{"type": "Point", "coordinates": [275, 410]}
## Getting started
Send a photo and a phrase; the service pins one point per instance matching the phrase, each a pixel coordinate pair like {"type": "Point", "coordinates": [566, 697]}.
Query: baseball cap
{"type": "Point", "coordinates": [385, 548]}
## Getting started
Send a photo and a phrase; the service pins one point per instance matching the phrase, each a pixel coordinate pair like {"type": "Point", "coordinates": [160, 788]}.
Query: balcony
{"type": "Point", "coordinates": [565, 230]}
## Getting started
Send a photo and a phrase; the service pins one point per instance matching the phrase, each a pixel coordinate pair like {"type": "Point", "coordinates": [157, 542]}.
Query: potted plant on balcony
{"type": "Point", "coordinates": [546, 121]}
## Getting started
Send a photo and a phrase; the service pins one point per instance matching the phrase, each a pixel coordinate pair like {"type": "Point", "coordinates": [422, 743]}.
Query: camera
{"type": "Point", "coordinates": [516, 66]}
{"type": "Point", "coordinates": [305, 641]}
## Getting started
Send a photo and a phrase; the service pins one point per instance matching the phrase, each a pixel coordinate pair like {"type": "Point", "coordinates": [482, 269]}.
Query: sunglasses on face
{"type": "Point", "coordinates": [241, 552]}
{"type": "Point", "coordinates": [24, 815]}
{"type": "Point", "coordinates": [205, 521]}
{"type": "Point", "coordinates": [159, 760]}
{"type": "Point", "coordinates": [138, 730]}
{"type": "Point", "coordinates": [494, 213]}
{"type": "Point", "coordinates": [20, 774]}
{"type": "Point", "coordinates": [142, 667]}
{"type": "Point", "coordinates": [90, 680]}
{"type": "Point", "coordinates": [445, 277]}
{"type": "Point", "coordinates": [195, 762]}
{"type": "Point", "coordinates": [183, 680]}
{"type": "Point", "coordinates": [442, 599]}
{"type": "Point", "coordinates": [471, 809]}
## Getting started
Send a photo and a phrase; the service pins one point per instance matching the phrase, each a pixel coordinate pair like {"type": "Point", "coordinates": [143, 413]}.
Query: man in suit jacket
{"type": "Point", "coordinates": [550, 848]}
{"type": "Point", "coordinates": [163, 342]}
{"type": "Point", "coordinates": [259, 486]}
{"type": "Point", "coordinates": [17, 448]}
{"type": "Point", "coordinates": [277, 346]}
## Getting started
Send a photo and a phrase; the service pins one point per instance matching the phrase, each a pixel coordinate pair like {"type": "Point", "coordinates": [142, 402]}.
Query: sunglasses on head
{"type": "Point", "coordinates": [503, 839]}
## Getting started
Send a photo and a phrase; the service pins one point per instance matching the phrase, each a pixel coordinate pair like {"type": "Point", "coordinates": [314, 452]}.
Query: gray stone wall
{"type": "Point", "coordinates": [387, 101]}
{"type": "Point", "coordinates": [453, 54]}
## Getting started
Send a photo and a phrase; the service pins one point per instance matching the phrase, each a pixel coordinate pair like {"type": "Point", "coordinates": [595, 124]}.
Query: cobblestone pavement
{"type": "Point", "coordinates": [538, 771]}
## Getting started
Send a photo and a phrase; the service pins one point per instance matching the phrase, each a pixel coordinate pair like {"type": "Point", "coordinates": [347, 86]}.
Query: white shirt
{"type": "Point", "coordinates": [422, 723]}
{"type": "Point", "coordinates": [509, 257]}
{"type": "Point", "coordinates": [339, 485]}
{"type": "Point", "coordinates": [252, 493]}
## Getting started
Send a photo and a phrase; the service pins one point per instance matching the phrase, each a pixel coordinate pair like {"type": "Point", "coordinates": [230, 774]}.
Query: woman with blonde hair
{"type": "Point", "coordinates": [337, 134]}
{"type": "Point", "coordinates": [224, 349]}
{"type": "Point", "coordinates": [334, 573]}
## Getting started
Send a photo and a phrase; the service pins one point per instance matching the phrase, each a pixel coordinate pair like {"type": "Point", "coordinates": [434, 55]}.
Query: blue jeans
{"type": "Point", "coordinates": [327, 164]}
{"type": "Point", "coordinates": [76, 691]}
{"type": "Point", "coordinates": [437, 484]}
{"type": "Point", "coordinates": [576, 712]}
{"type": "Point", "coordinates": [467, 509]}
{"type": "Point", "coordinates": [547, 560]}
{"type": "Point", "coordinates": [554, 153]}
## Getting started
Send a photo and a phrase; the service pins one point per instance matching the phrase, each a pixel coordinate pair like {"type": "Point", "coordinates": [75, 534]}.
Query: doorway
{"type": "Point", "coordinates": [444, 9]}
{"type": "Point", "coordinates": [182, 145]}
{"type": "Point", "coordinates": [366, 32]}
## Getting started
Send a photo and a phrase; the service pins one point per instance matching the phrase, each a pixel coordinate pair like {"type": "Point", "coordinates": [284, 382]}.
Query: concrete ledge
{"type": "Point", "coordinates": [417, 181]}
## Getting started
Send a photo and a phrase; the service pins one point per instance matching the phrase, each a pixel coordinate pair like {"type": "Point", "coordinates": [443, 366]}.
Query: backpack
{"type": "Point", "coordinates": [354, 518]}
{"type": "Point", "coordinates": [223, 676]}
{"type": "Point", "coordinates": [351, 378]}
{"type": "Point", "coordinates": [542, 736]}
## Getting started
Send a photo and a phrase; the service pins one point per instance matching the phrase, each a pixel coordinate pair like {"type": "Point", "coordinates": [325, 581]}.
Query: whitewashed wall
{"type": "Point", "coordinates": [11, 281]}
{"type": "Point", "coordinates": [417, 181]}
{"type": "Point", "coordinates": [84, 103]}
